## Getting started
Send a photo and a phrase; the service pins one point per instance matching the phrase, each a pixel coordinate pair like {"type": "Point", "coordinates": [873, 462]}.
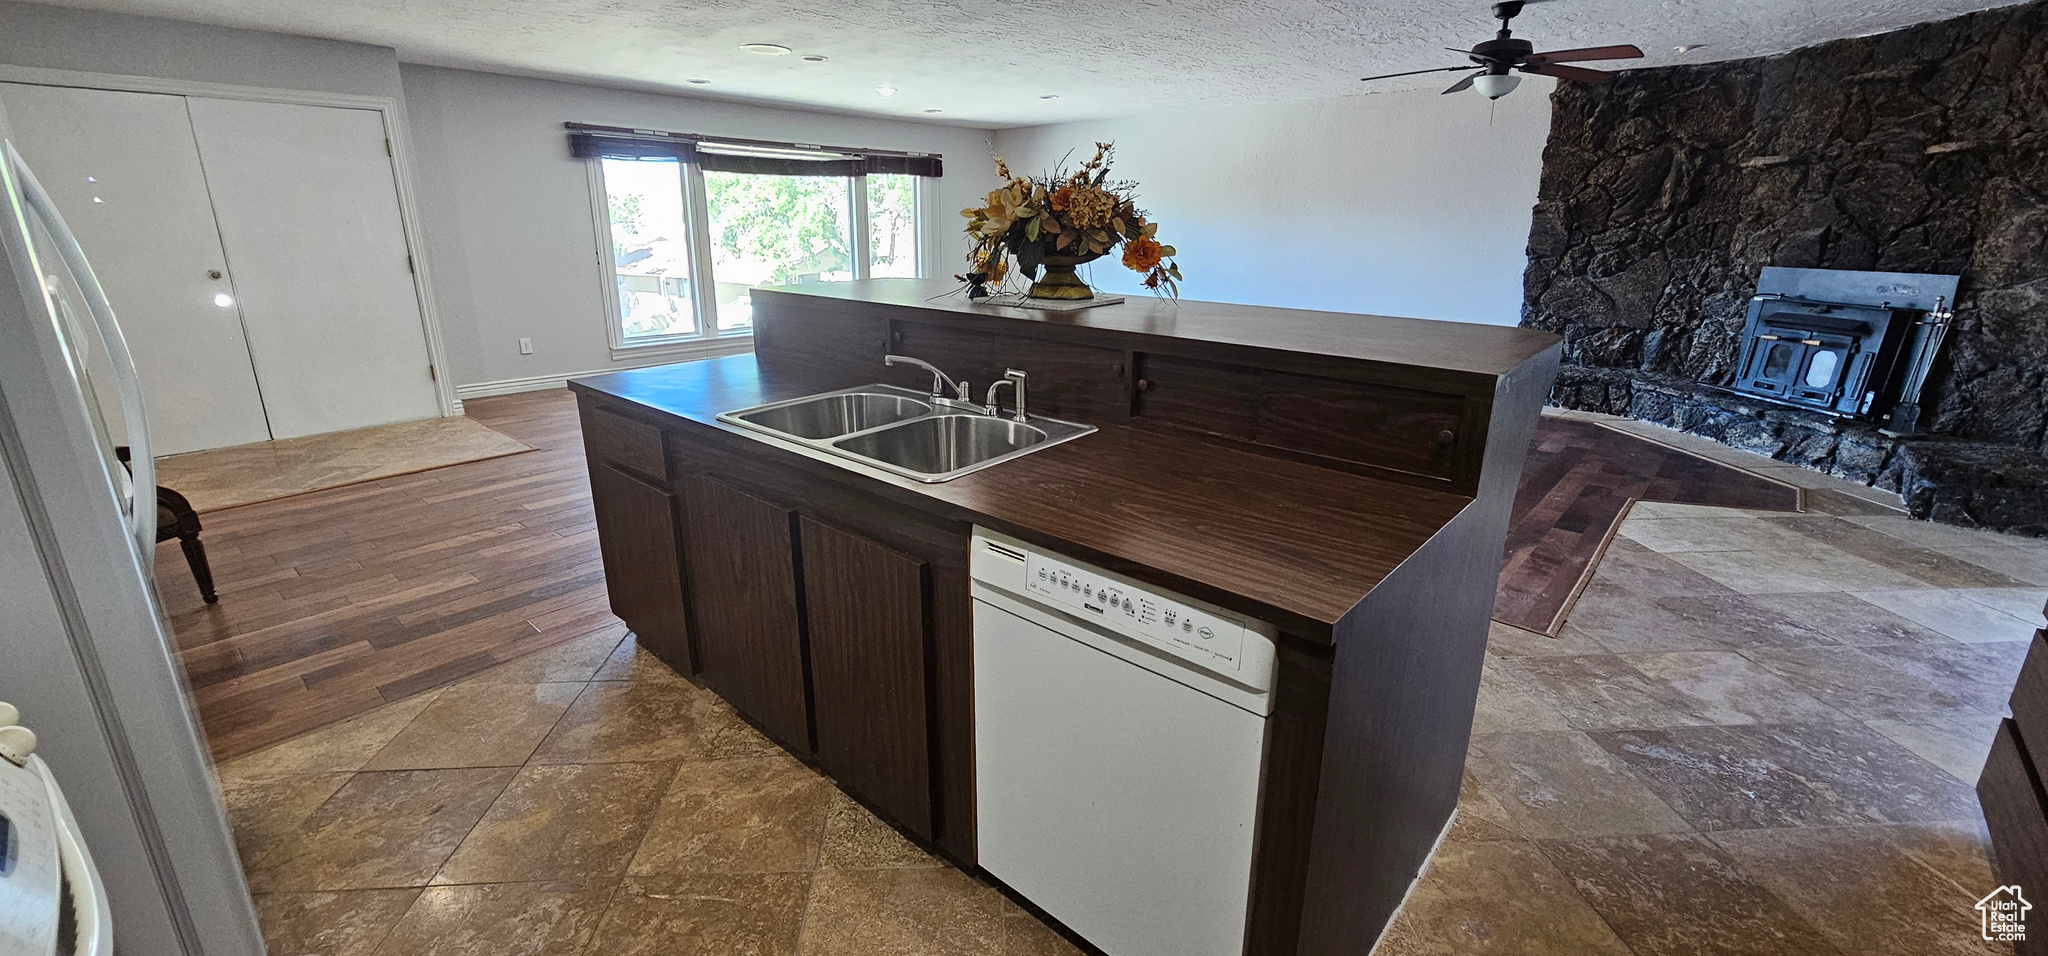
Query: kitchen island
{"type": "Point", "coordinates": [1345, 478]}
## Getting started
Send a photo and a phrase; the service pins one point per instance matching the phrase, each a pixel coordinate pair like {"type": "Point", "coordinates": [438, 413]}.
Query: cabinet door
{"type": "Point", "coordinates": [743, 578]}
{"type": "Point", "coordinates": [643, 571]}
{"type": "Point", "coordinates": [866, 608]}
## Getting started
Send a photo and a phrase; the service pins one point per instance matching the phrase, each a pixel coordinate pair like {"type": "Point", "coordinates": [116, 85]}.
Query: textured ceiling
{"type": "Point", "coordinates": [989, 63]}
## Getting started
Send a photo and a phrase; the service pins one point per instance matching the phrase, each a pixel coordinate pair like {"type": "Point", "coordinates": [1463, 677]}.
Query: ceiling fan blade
{"type": "Point", "coordinates": [1580, 74]}
{"type": "Point", "coordinates": [1441, 69]}
{"type": "Point", "coordinates": [1624, 51]}
{"type": "Point", "coordinates": [1462, 85]}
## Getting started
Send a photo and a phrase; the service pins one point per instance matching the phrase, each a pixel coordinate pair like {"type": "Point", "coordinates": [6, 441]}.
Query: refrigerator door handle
{"type": "Point", "coordinates": [142, 462]}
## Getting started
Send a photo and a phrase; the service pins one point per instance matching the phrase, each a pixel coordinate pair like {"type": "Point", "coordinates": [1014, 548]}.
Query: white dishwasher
{"type": "Point", "coordinates": [1119, 731]}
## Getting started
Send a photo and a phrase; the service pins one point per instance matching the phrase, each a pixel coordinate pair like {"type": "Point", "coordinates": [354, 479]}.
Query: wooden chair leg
{"type": "Point", "coordinates": [195, 555]}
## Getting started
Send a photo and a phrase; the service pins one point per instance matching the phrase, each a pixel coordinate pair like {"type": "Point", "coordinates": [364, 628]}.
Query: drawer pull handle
{"type": "Point", "coordinates": [1446, 437]}
{"type": "Point", "coordinates": [1144, 384]}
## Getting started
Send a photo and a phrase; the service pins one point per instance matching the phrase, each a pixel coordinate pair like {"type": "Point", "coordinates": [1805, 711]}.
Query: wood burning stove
{"type": "Point", "coordinates": [1847, 344]}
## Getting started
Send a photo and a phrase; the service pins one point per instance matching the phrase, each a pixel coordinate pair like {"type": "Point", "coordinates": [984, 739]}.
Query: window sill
{"type": "Point", "coordinates": [689, 348]}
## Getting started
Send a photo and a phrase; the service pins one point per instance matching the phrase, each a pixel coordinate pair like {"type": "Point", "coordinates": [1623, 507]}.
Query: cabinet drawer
{"type": "Point", "coordinates": [611, 437]}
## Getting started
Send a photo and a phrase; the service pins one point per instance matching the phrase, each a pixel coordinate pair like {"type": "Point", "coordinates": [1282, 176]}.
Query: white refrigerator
{"type": "Point", "coordinates": [85, 654]}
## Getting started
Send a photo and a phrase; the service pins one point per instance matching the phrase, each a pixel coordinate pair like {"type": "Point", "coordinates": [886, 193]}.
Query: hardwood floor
{"type": "Point", "coordinates": [1578, 479]}
{"type": "Point", "coordinates": [336, 602]}
{"type": "Point", "coordinates": [339, 601]}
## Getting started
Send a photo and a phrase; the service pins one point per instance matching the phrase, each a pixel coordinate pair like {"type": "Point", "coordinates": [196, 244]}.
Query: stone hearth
{"type": "Point", "coordinates": [1974, 484]}
{"type": "Point", "coordinates": [1926, 150]}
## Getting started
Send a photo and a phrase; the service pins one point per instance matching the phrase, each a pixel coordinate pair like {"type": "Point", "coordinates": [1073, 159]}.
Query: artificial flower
{"type": "Point", "coordinates": [1140, 255]}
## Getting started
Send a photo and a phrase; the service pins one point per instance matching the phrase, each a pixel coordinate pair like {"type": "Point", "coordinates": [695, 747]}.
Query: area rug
{"type": "Point", "coordinates": [1579, 481]}
{"type": "Point", "coordinates": [245, 474]}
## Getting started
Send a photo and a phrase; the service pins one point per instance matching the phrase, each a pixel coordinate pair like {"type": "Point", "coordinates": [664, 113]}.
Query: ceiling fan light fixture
{"type": "Point", "coordinates": [1493, 86]}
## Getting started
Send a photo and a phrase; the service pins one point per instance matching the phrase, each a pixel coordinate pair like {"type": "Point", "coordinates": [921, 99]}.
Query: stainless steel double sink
{"type": "Point", "coordinates": [904, 432]}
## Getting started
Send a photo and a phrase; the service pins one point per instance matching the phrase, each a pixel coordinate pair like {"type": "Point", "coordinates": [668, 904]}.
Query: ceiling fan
{"type": "Point", "coordinates": [1493, 59]}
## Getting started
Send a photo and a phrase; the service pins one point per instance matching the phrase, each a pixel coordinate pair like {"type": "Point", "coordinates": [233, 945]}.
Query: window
{"type": "Point", "coordinates": [650, 251]}
{"type": "Point", "coordinates": [686, 245]}
{"type": "Point", "coordinates": [892, 226]}
{"type": "Point", "coordinates": [769, 229]}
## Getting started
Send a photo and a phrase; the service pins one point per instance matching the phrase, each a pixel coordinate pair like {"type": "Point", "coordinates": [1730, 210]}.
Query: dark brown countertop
{"type": "Point", "coordinates": [1425, 343]}
{"type": "Point", "coordinates": [1280, 540]}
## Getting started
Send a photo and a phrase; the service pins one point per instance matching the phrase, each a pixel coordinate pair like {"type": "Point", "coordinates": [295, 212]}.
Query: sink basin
{"type": "Point", "coordinates": [901, 431]}
{"type": "Point", "coordinates": [830, 416]}
{"type": "Point", "coordinates": [942, 444]}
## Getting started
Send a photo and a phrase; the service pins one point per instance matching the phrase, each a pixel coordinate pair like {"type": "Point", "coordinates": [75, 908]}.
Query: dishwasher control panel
{"type": "Point", "coordinates": [1141, 613]}
{"type": "Point", "coordinates": [1228, 648]}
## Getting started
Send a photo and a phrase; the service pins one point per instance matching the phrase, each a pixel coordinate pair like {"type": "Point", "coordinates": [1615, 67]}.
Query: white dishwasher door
{"type": "Point", "coordinates": [1118, 799]}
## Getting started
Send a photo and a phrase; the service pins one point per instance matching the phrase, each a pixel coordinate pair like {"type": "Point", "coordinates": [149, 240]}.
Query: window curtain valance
{"type": "Point", "coordinates": [725, 154]}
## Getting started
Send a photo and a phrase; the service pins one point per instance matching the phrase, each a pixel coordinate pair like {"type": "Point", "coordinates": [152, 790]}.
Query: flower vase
{"type": "Point", "coordinates": [1059, 281]}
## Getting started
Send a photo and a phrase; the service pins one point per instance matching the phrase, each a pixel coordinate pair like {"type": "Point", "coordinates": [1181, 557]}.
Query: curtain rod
{"type": "Point", "coordinates": [739, 141]}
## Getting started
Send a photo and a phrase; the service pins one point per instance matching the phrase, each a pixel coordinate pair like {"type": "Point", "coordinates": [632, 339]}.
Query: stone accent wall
{"type": "Point", "coordinates": [1925, 150]}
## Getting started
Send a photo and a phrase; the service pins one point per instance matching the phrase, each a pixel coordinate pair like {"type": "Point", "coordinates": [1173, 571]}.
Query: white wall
{"type": "Point", "coordinates": [1408, 203]}
{"type": "Point", "coordinates": [58, 38]}
{"type": "Point", "coordinates": [507, 211]}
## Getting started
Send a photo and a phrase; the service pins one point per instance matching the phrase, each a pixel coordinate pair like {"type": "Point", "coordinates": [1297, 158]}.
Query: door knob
{"type": "Point", "coordinates": [213, 273]}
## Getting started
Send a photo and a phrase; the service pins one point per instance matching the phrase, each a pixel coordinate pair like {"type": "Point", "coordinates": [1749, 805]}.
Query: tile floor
{"type": "Point", "coordinates": [1758, 733]}
{"type": "Point", "coordinates": [585, 800]}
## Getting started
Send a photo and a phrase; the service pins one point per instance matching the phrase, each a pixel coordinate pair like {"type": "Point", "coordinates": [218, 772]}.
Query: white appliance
{"type": "Point", "coordinates": [51, 898]}
{"type": "Point", "coordinates": [84, 651]}
{"type": "Point", "coordinates": [1119, 736]}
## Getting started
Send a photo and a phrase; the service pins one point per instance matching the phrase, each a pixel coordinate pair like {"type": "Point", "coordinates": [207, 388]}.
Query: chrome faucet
{"type": "Point", "coordinates": [1011, 377]}
{"type": "Point", "coordinates": [940, 380]}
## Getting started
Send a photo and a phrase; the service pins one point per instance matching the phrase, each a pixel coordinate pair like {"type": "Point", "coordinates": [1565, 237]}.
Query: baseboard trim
{"type": "Point", "coordinates": [508, 386]}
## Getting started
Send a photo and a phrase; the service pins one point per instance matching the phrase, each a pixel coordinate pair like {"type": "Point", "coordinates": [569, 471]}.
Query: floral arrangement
{"type": "Point", "coordinates": [1082, 215]}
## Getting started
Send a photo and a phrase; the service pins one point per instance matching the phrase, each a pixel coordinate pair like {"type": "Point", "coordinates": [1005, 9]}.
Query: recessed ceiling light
{"type": "Point", "coordinates": [697, 80]}
{"type": "Point", "coordinates": [1689, 47]}
{"type": "Point", "coordinates": [814, 58]}
{"type": "Point", "coordinates": [886, 90]}
{"type": "Point", "coordinates": [934, 111]}
{"type": "Point", "coordinates": [766, 49]}
{"type": "Point", "coordinates": [1050, 96]}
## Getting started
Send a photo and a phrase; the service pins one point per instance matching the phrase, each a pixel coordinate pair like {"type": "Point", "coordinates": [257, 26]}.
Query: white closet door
{"type": "Point", "coordinates": [125, 172]}
{"type": "Point", "coordinates": [308, 211]}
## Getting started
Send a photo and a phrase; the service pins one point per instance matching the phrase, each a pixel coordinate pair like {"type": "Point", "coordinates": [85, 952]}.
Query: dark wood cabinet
{"type": "Point", "coordinates": [750, 628]}
{"type": "Point", "coordinates": [1347, 478]}
{"type": "Point", "coordinates": [868, 632]}
{"type": "Point", "coordinates": [2013, 788]}
{"type": "Point", "coordinates": [643, 571]}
